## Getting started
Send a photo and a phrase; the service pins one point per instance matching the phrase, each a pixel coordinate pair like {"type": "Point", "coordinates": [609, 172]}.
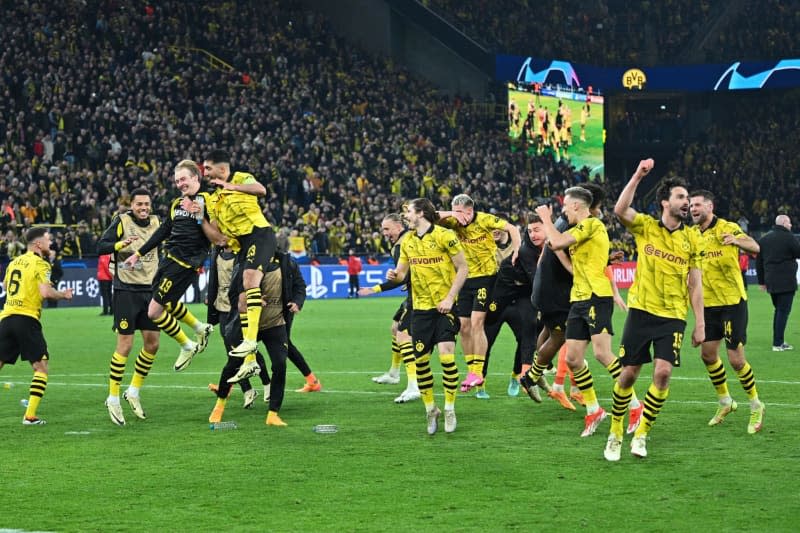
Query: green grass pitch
{"type": "Point", "coordinates": [512, 465]}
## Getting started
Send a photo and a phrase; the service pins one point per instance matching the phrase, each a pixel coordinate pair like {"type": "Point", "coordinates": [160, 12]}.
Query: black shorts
{"type": "Point", "coordinates": [403, 316]}
{"type": "Point", "coordinates": [727, 322]}
{"type": "Point", "coordinates": [555, 321]}
{"type": "Point", "coordinates": [475, 295]}
{"type": "Point", "coordinates": [643, 329]}
{"type": "Point", "coordinates": [590, 317]}
{"type": "Point", "coordinates": [21, 335]}
{"type": "Point", "coordinates": [171, 282]}
{"type": "Point", "coordinates": [257, 249]}
{"type": "Point", "coordinates": [428, 328]}
{"type": "Point", "coordinates": [130, 312]}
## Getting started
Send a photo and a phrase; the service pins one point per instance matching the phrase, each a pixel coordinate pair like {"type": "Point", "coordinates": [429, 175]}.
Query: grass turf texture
{"type": "Point", "coordinates": [511, 465]}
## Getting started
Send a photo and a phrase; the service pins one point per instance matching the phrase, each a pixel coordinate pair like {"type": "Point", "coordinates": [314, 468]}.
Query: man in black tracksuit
{"type": "Point", "coordinates": [776, 267]}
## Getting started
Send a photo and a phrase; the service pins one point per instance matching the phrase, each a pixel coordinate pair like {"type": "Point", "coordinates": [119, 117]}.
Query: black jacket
{"type": "Point", "coordinates": [293, 290]}
{"type": "Point", "coordinates": [776, 264]}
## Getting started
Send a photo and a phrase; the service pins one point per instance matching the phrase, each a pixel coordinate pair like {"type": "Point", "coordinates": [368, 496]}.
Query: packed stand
{"type": "Point", "coordinates": [107, 106]}
{"type": "Point", "coordinates": [764, 30]}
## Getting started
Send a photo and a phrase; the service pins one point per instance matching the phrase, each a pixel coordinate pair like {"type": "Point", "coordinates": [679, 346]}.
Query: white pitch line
{"type": "Point", "coordinates": [389, 393]}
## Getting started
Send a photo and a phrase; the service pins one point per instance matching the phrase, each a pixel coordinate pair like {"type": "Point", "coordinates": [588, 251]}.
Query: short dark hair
{"type": "Point", "coordinates": [579, 193]}
{"type": "Point", "coordinates": [140, 191]}
{"type": "Point", "coordinates": [664, 189]}
{"type": "Point", "coordinates": [218, 156]}
{"type": "Point", "coordinates": [598, 193]}
{"type": "Point", "coordinates": [35, 233]}
{"type": "Point", "coordinates": [708, 195]}
{"type": "Point", "coordinates": [533, 219]}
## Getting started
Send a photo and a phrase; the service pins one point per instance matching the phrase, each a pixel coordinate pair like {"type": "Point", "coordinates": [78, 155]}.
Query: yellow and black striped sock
{"type": "Point", "coordinates": [479, 361]}
{"type": "Point", "coordinates": [182, 313]}
{"type": "Point", "coordinates": [716, 372]}
{"type": "Point", "coordinates": [425, 379]}
{"type": "Point", "coordinates": [253, 298]}
{"type": "Point", "coordinates": [407, 352]}
{"type": "Point", "coordinates": [536, 370]}
{"type": "Point", "coordinates": [470, 360]}
{"type": "Point", "coordinates": [36, 391]}
{"type": "Point", "coordinates": [117, 369]}
{"type": "Point", "coordinates": [449, 378]}
{"type": "Point", "coordinates": [748, 381]}
{"type": "Point", "coordinates": [653, 402]}
{"type": "Point", "coordinates": [167, 323]}
{"type": "Point", "coordinates": [583, 378]}
{"type": "Point", "coordinates": [397, 358]}
{"type": "Point", "coordinates": [621, 399]}
{"type": "Point", "coordinates": [144, 362]}
{"type": "Point", "coordinates": [614, 368]}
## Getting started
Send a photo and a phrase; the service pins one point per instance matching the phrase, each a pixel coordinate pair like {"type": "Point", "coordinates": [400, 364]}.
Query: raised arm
{"type": "Point", "coordinates": [623, 208]}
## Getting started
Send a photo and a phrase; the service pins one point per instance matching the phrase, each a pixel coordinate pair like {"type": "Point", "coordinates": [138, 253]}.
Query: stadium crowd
{"type": "Point", "coordinates": [99, 98]}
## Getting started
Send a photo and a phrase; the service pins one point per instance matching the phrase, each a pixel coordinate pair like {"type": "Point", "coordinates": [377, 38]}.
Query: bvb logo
{"type": "Point", "coordinates": [622, 351]}
{"type": "Point", "coordinates": [123, 324]}
{"type": "Point", "coordinates": [419, 346]}
{"type": "Point", "coordinates": [634, 79]}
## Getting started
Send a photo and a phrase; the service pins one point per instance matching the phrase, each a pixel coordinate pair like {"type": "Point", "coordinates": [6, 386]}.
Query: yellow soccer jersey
{"type": "Point", "coordinates": [432, 271]}
{"type": "Point", "coordinates": [23, 276]}
{"type": "Point", "coordinates": [478, 243]}
{"type": "Point", "coordinates": [589, 259]}
{"type": "Point", "coordinates": [722, 278]}
{"type": "Point", "coordinates": [237, 213]}
{"type": "Point", "coordinates": [662, 268]}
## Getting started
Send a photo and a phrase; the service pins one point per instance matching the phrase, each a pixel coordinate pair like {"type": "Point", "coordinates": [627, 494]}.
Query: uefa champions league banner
{"type": "Point", "coordinates": [333, 281]}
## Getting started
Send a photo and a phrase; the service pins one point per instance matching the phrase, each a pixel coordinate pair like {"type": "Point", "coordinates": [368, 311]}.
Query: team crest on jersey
{"type": "Point", "coordinates": [123, 324]}
{"type": "Point", "coordinates": [251, 252]}
{"type": "Point", "coordinates": [419, 346]}
{"type": "Point", "coordinates": [685, 245]}
{"type": "Point", "coordinates": [622, 351]}
{"type": "Point", "coordinates": [493, 307]}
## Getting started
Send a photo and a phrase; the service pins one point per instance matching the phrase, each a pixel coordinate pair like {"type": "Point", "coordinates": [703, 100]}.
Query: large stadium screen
{"type": "Point", "coordinates": [551, 119]}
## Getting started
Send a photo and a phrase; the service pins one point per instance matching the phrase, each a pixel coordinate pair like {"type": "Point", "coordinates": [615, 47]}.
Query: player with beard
{"type": "Point", "coordinates": [668, 278]}
{"type": "Point", "coordinates": [725, 300]}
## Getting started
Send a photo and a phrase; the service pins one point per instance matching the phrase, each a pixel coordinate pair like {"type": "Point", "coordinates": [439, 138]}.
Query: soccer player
{"type": "Point", "coordinates": [668, 278]}
{"type": "Point", "coordinates": [474, 230]}
{"type": "Point", "coordinates": [235, 211]}
{"type": "Point", "coordinates": [132, 290]}
{"type": "Point", "coordinates": [591, 296]}
{"type": "Point", "coordinates": [725, 312]}
{"type": "Point", "coordinates": [186, 250]}
{"type": "Point", "coordinates": [438, 270]}
{"type": "Point", "coordinates": [27, 282]}
{"type": "Point", "coordinates": [395, 232]}
{"type": "Point", "coordinates": [552, 293]}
